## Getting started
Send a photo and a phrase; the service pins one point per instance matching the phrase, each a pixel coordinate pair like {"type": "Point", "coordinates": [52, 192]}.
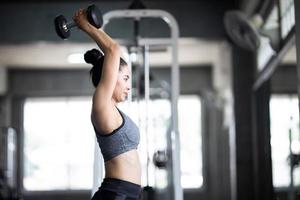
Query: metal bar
{"type": "Point", "coordinates": [124, 42]}
{"type": "Point", "coordinates": [129, 98]}
{"type": "Point", "coordinates": [263, 183]}
{"type": "Point", "coordinates": [147, 98]}
{"type": "Point", "coordinates": [174, 95]}
{"type": "Point", "coordinates": [297, 15]}
{"type": "Point", "coordinates": [291, 186]}
{"type": "Point", "coordinates": [145, 41]}
{"type": "Point", "coordinates": [155, 41]}
{"type": "Point", "coordinates": [268, 70]}
{"type": "Point", "coordinates": [140, 13]}
{"type": "Point", "coordinates": [170, 20]}
{"type": "Point", "coordinates": [147, 74]}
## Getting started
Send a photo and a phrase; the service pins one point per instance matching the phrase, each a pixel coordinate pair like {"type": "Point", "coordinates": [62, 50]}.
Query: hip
{"type": "Point", "coordinates": [112, 188]}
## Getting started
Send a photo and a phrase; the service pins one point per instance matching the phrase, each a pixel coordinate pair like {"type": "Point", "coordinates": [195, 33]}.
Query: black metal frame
{"type": "Point", "coordinates": [272, 64]}
{"type": "Point", "coordinates": [261, 120]}
{"type": "Point", "coordinates": [297, 20]}
{"type": "Point", "coordinates": [262, 161]}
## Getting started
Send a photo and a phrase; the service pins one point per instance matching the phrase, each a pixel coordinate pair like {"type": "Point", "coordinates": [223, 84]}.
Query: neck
{"type": "Point", "coordinates": [114, 102]}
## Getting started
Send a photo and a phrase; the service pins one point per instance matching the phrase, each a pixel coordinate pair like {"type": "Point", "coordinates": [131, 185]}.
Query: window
{"type": "Point", "coordinates": [287, 13]}
{"type": "Point", "coordinates": [191, 140]}
{"type": "Point", "coordinates": [58, 144]}
{"type": "Point", "coordinates": [153, 132]}
{"type": "Point", "coordinates": [265, 50]}
{"type": "Point", "coordinates": [159, 112]}
{"type": "Point", "coordinates": [284, 119]}
{"type": "Point", "coordinates": [280, 22]}
{"type": "Point", "coordinates": [59, 141]}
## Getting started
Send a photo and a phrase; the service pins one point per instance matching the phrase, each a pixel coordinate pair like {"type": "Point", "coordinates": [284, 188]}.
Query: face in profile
{"type": "Point", "coordinates": [123, 85]}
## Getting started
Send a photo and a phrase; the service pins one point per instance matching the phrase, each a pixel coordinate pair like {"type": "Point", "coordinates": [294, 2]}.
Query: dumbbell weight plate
{"type": "Point", "coordinates": [60, 23]}
{"type": "Point", "coordinates": [94, 16]}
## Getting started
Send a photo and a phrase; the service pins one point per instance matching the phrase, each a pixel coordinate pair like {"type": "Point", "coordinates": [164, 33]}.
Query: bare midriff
{"type": "Point", "coordinates": [125, 166]}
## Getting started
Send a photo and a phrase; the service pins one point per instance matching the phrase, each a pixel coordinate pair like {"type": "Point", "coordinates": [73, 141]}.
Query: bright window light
{"type": "Point", "coordinates": [59, 138]}
{"type": "Point", "coordinates": [133, 57]}
{"type": "Point", "coordinates": [284, 119]}
{"type": "Point", "coordinates": [287, 13]}
{"type": "Point", "coordinates": [76, 58]}
{"type": "Point", "coordinates": [58, 144]}
{"type": "Point", "coordinates": [189, 107]}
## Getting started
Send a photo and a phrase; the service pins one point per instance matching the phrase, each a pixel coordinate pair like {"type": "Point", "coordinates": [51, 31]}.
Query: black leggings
{"type": "Point", "coordinates": [116, 189]}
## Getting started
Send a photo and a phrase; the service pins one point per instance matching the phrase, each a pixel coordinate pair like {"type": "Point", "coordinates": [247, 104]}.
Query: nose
{"type": "Point", "coordinates": [128, 88]}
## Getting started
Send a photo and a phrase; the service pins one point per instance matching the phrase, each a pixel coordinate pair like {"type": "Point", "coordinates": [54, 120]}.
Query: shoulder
{"type": "Point", "coordinates": [106, 119]}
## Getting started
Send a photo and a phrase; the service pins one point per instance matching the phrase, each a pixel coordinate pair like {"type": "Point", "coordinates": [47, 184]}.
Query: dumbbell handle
{"type": "Point", "coordinates": [62, 26]}
{"type": "Point", "coordinates": [69, 25]}
{"type": "Point", "coordinates": [90, 9]}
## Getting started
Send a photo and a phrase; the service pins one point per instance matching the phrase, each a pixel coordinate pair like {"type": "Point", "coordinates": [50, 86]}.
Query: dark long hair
{"type": "Point", "coordinates": [96, 59]}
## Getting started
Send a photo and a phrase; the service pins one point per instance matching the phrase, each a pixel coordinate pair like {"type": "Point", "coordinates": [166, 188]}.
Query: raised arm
{"type": "Point", "coordinates": [112, 53]}
{"type": "Point", "coordinates": [105, 117]}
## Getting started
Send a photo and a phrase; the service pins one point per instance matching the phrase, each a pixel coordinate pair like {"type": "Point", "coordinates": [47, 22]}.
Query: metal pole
{"type": "Point", "coordinates": [291, 187]}
{"type": "Point", "coordinates": [297, 21]}
{"type": "Point", "coordinates": [170, 20]}
{"type": "Point", "coordinates": [175, 132]}
{"type": "Point", "coordinates": [147, 98]}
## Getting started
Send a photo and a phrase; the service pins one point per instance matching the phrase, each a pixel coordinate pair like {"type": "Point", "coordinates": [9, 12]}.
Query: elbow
{"type": "Point", "coordinates": [114, 48]}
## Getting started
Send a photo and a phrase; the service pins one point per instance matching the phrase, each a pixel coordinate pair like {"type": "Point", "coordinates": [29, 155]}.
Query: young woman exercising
{"type": "Point", "coordinates": [118, 136]}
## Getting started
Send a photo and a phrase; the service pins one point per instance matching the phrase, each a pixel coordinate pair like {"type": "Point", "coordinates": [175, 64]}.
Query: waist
{"type": "Point", "coordinates": [121, 186]}
{"type": "Point", "coordinates": [126, 166]}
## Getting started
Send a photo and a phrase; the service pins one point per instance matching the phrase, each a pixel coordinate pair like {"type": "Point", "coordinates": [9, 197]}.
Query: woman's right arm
{"type": "Point", "coordinates": [102, 98]}
{"type": "Point", "coordinates": [111, 62]}
{"type": "Point", "coordinates": [104, 90]}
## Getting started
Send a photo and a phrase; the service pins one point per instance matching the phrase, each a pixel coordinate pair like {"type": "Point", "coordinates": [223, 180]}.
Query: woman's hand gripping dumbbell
{"type": "Point", "coordinates": [62, 26]}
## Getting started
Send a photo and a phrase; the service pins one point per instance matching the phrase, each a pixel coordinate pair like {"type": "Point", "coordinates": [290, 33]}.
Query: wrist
{"type": "Point", "coordinates": [88, 28]}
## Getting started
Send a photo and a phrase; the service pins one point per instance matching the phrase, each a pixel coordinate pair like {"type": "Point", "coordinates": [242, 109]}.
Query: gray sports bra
{"type": "Point", "coordinates": [121, 140]}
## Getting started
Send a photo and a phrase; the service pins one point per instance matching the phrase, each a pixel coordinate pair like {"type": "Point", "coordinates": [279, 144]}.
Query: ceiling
{"type": "Point", "coordinates": [33, 43]}
{"type": "Point", "coordinates": [44, 50]}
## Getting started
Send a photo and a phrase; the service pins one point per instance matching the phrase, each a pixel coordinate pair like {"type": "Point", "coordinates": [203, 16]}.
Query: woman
{"type": "Point", "coordinates": [117, 135]}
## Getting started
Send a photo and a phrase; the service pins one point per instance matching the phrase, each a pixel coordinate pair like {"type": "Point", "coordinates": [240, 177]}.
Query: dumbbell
{"type": "Point", "coordinates": [62, 26]}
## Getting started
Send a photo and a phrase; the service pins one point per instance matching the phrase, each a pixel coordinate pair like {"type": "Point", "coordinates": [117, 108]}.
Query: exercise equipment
{"type": "Point", "coordinates": [63, 27]}
{"type": "Point", "coordinates": [173, 189]}
{"type": "Point", "coordinates": [160, 159]}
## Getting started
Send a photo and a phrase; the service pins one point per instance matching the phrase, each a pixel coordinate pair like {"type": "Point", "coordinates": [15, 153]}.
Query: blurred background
{"type": "Point", "coordinates": [237, 107]}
